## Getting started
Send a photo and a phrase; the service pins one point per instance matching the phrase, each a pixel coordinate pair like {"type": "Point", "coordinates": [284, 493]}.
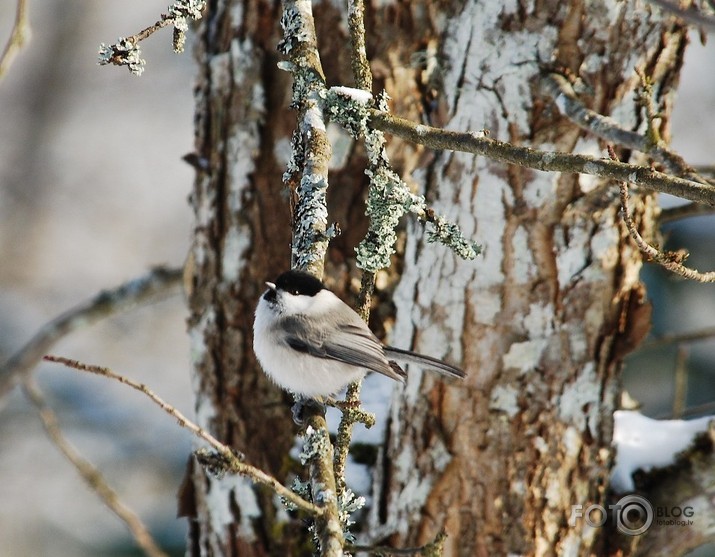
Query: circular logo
{"type": "Point", "coordinates": [634, 515]}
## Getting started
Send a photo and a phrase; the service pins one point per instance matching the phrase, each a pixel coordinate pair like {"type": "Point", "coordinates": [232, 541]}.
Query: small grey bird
{"type": "Point", "coordinates": [310, 342]}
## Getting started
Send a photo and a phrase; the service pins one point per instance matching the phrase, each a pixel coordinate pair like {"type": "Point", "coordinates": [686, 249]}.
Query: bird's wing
{"type": "Point", "coordinates": [353, 344]}
{"type": "Point", "coordinates": [423, 361]}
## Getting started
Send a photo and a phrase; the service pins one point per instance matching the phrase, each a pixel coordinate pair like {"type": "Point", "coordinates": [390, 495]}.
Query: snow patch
{"type": "Point", "coordinates": [644, 443]}
{"type": "Point", "coordinates": [358, 95]}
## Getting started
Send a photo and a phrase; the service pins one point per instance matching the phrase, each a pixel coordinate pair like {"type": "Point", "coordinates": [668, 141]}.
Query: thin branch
{"type": "Point", "coordinates": [690, 14]}
{"type": "Point", "coordinates": [433, 549]}
{"type": "Point", "coordinates": [19, 36]}
{"type": "Point", "coordinates": [685, 211]}
{"type": "Point", "coordinates": [91, 475]}
{"type": "Point", "coordinates": [126, 51]}
{"type": "Point", "coordinates": [678, 338]}
{"type": "Point", "coordinates": [610, 130]}
{"type": "Point", "coordinates": [363, 80]}
{"type": "Point", "coordinates": [681, 382]}
{"type": "Point", "coordinates": [232, 460]}
{"type": "Point", "coordinates": [358, 54]}
{"type": "Point", "coordinates": [476, 143]}
{"type": "Point", "coordinates": [668, 260]}
{"type": "Point", "coordinates": [108, 302]}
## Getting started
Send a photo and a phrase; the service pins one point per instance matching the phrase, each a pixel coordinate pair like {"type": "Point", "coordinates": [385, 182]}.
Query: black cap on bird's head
{"type": "Point", "coordinates": [297, 283]}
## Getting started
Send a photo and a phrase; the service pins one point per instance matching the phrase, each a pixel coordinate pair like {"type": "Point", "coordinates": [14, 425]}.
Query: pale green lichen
{"type": "Point", "coordinates": [449, 234]}
{"type": "Point", "coordinates": [301, 489]}
{"type": "Point", "coordinates": [348, 503]}
{"type": "Point", "coordinates": [316, 443]}
{"type": "Point", "coordinates": [389, 197]}
{"type": "Point", "coordinates": [124, 52]}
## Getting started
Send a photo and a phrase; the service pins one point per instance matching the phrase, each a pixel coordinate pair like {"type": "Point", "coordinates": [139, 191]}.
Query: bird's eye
{"type": "Point", "coordinates": [294, 292]}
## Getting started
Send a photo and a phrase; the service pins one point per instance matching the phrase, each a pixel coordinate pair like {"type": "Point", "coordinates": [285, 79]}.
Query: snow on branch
{"type": "Point", "coordinates": [643, 443]}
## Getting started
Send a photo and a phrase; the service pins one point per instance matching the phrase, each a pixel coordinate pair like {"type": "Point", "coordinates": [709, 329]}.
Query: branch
{"type": "Point", "coordinates": [668, 260]}
{"type": "Point", "coordinates": [91, 475]}
{"type": "Point", "coordinates": [108, 302]}
{"type": "Point", "coordinates": [606, 128]}
{"type": "Point", "coordinates": [19, 35]}
{"type": "Point", "coordinates": [690, 15]}
{"type": "Point", "coordinates": [677, 338]}
{"type": "Point", "coordinates": [363, 80]}
{"type": "Point", "coordinates": [684, 211]}
{"type": "Point", "coordinates": [307, 173]}
{"type": "Point", "coordinates": [126, 51]}
{"type": "Point", "coordinates": [310, 156]}
{"type": "Point", "coordinates": [474, 142]}
{"type": "Point", "coordinates": [433, 549]}
{"type": "Point", "coordinates": [232, 461]}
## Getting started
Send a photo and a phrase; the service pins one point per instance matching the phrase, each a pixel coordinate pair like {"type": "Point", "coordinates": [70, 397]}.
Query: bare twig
{"type": "Point", "coordinates": [19, 35]}
{"type": "Point", "coordinates": [231, 458]}
{"type": "Point", "coordinates": [690, 14]}
{"type": "Point", "coordinates": [108, 302]}
{"type": "Point", "coordinates": [678, 338]}
{"type": "Point", "coordinates": [681, 382]}
{"type": "Point", "coordinates": [433, 549]}
{"type": "Point", "coordinates": [610, 130]}
{"type": "Point", "coordinates": [668, 260]}
{"type": "Point", "coordinates": [91, 475]}
{"type": "Point", "coordinates": [476, 143]}
{"type": "Point", "coordinates": [685, 211]}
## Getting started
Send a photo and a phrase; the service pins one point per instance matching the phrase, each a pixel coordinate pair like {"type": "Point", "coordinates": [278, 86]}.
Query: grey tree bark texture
{"type": "Point", "coordinates": [540, 323]}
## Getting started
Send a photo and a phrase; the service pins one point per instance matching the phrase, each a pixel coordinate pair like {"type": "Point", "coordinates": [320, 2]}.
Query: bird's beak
{"type": "Point", "coordinates": [271, 285]}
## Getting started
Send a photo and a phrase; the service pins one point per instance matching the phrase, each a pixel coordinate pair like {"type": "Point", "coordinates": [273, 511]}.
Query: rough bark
{"type": "Point", "coordinates": [241, 238]}
{"type": "Point", "coordinates": [543, 320]}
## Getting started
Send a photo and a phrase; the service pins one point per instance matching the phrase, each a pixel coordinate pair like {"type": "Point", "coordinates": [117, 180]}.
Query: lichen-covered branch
{"type": "Point", "coordinates": [307, 174]}
{"type": "Point", "coordinates": [158, 281]}
{"type": "Point", "coordinates": [126, 51]}
{"type": "Point", "coordinates": [363, 81]}
{"type": "Point", "coordinates": [307, 178]}
{"type": "Point", "coordinates": [610, 130]}
{"type": "Point", "coordinates": [669, 260]}
{"type": "Point", "coordinates": [231, 461]}
{"type": "Point", "coordinates": [549, 161]}
{"type": "Point", "coordinates": [91, 475]}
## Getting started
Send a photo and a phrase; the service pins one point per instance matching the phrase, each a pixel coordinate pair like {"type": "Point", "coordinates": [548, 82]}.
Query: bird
{"type": "Point", "coordinates": [311, 343]}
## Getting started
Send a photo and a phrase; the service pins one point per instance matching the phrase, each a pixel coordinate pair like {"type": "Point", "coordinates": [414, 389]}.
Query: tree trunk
{"type": "Point", "coordinates": [539, 323]}
{"type": "Point", "coordinates": [241, 235]}
{"type": "Point", "coordinates": [543, 320]}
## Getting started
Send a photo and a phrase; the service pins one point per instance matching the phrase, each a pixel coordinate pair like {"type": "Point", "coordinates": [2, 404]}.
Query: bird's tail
{"type": "Point", "coordinates": [423, 361]}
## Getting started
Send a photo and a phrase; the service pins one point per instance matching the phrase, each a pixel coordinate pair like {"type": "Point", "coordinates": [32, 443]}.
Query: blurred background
{"type": "Point", "coordinates": [93, 192]}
